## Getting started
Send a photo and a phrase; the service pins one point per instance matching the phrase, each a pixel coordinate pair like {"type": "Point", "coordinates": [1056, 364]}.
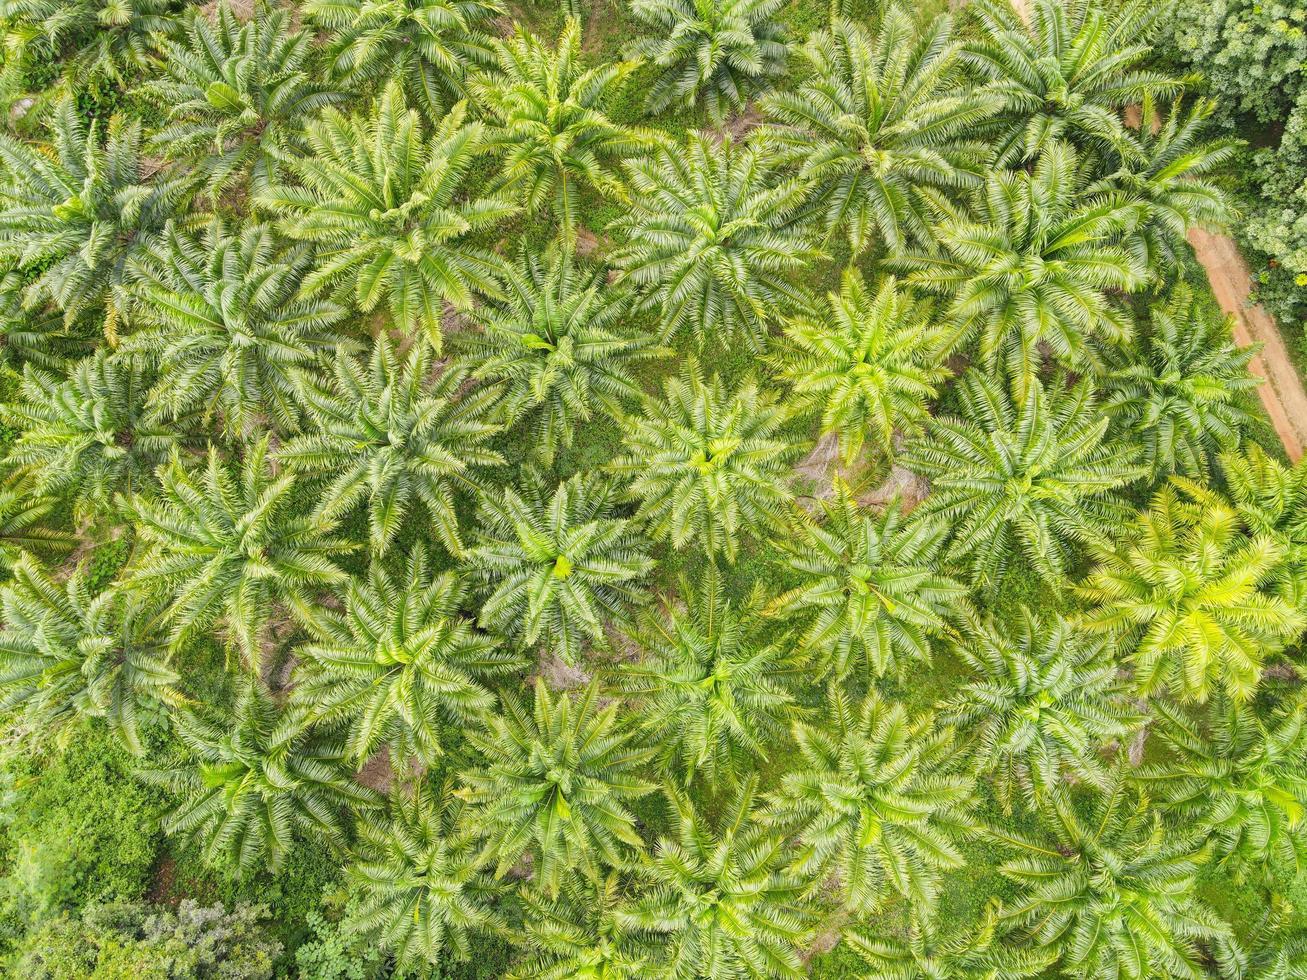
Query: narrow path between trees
{"type": "Point", "coordinates": [1281, 391]}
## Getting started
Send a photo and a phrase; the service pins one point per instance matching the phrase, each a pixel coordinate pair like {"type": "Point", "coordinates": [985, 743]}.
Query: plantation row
{"type": "Point", "coordinates": [778, 503]}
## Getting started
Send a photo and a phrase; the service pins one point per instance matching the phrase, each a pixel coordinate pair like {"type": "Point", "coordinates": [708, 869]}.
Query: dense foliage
{"type": "Point", "coordinates": [653, 489]}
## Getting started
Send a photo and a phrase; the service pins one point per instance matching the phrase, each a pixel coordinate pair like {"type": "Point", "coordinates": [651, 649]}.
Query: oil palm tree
{"type": "Point", "coordinates": [398, 663]}
{"type": "Point", "coordinates": [1237, 778]}
{"type": "Point", "coordinates": [1067, 73]}
{"type": "Point", "coordinates": [431, 47]}
{"type": "Point", "coordinates": [722, 895]}
{"type": "Point", "coordinates": [1271, 499]}
{"type": "Point", "coordinates": [548, 117]}
{"type": "Point", "coordinates": [67, 652]}
{"type": "Point", "coordinates": [388, 210]}
{"type": "Point", "coordinates": [1188, 592]}
{"type": "Point", "coordinates": [708, 463]}
{"type": "Point", "coordinates": [1034, 265]}
{"type": "Point", "coordinates": [89, 435]}
{"type": "Point", "coordinates": [250, 783]}
{"type": "Point", "coordinates": [868, 589]}
{"type": "Point", "coordinates": [1185, 393]}
{"type": "Point", "coordinates": [39, 336]}
{"type": "Point", "coordinates": [867, 363]}
{"type": "Point", "coordinates": [421, 891]}
{"type": "Point", "coordinates": [1110, 886]}
{"type": "Point", "coordinates": [711, 240]}
{"type": "Point", "coordinates": [585, 932]}
{"type": "Point", "coordinates": [236, 96]}
{"type": "Point", "coordinates": [223, 318]}
{"type": "Point", "coordinates": [710, 686]}
{"type": "Point", "coordinates": [230, 544]}
{"type": "Point", "coordinates": [1044, 703]}
{"type": "Point", "coordinates": [1023, 478]}
{"type": "Point", "coordinates": [556, 566]}
{"type": "Point", "coordinates": [93, 42]}
{"type": "Point", "coordinates": [970, 952]}
{"type": "Point", "coordinates": [881, 116]}
{"type": "Point", "coordinates": [559, 349]}
{"type": "Point", "coordinates": [386, 434]}
{"type": "Point", "coordinates": [1170, 168]}
{"type": "Point", "coordinates": [74, 215]}
{"type": "Point", "coordinates": [718, 52]}
{"type": "Point", "coordinates": [876, 803]}
{"type": "Point", "coordinates": [555, 784]}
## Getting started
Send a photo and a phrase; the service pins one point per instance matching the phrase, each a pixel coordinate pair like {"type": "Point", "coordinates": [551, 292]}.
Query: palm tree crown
{"type": "Point", "coordinates": [386, 207]}
{"type": "Point", "coordinates": [709, 463]}
{"type": "Point", "coordinates": [1026, 477]}
{"type": "Point", "coordinates": [868, 587]}
{"type": "Point", "coordinates": [398, 663]}
{"type": "Point", "coordinates": [711, 239]}
{"type": "Point", "coordinates": [880, 118]}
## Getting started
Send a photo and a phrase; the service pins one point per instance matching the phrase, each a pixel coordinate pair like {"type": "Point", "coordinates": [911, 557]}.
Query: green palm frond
{"type": "Point", "coordinates": [66, 652]}
{"type": "Point", "coordinates": [398, 663]}
{"type": "Point", "coordinates": [709, 464]}
{"type": "Point", "coordinates": [556, 567]}
{"type": "Point", "coordinates": [881, 116]}
{"type": "Point", "coordinates": [1026, 478]}
{"type": "Point", "coordinates": [389, 436]}
{"type": "Point", "coordinates": [869, 590]}
{"type": "Point", "coordinates": [557, 777]}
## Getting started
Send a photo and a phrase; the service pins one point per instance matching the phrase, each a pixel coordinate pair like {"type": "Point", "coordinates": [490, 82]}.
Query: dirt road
{"type": "Point", "coordinates": [1282, 392]}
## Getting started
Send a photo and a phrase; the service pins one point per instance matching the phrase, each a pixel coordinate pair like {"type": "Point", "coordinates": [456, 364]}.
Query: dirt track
{"type": "Point", "coordinates": [1282, 391]}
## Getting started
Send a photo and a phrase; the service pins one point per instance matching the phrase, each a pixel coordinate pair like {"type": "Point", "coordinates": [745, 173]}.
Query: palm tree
{"type": "Point", "coordinates": [711, 239]}
{"type": "Point", "coordinates": [418, 880]}
{"type": "Point", "coordinates": [708, 463]}
{"type": "Point", "coordinates": [75, 216]}
{"type": "Point", "coordinates": [718, 52]}
{"type": "Point", "coordinates": [39, 336]}
{"type": "Point", "coordinates": [398, 662]}
{"type": "Point", "coordinates": [23, 522]}
{"type": "Point", "coordinates": [230, 546]}
{"type": "Point", "coordinates": [223, 317]}
{"type": "Point", "coordinates": [1271, 499]}
{"type": "Point", "coordinates": [93, 42]}
{"type": "Point", "coordinates": [1023, 478]}
{"type": "Point", "coordinates": [1034, 264]}
{"type": "Point", "coordinates": [89, 434]}
{"type": "Point", "coordinates": [559, 350]}
{"type": "Point", "coordinates": [585, 932]}
{"type": "Point", "coordinates": [972, 952]}
{"type": "Point", "coordinates": [1185, 395]}
{"type": "Point", "coordinates": [249, 785]}
{"type": "Point", "coordinates": [557, 566]}
{"type": "Point", "coordinates": [1169, 168]}
{"type": "Point", "coordinates": [388, 210]}
{"type": "Point", "coordinates": [548, 116]}
{"type": "Point", "coordinates": [722, 895]}
{"type": "Point", "coordinates": [66, 652]}
{"type": "Point", "coordinates": [868, 587]}
{"type": "Point", "coordinates": [555, 783]}
{"type": "Point", "coordinates": [431, 47]}
{"type": "Point", "coordinates": [1187, 592]}
{"type": "Point", "coordinates": [880, 118]}
{"type": "Point", "coordinates": [710, 685]}
{"type": "Point", "coordinates": [1044, 702]}
{"type": "Point", "coordinates": [877, 801]}
{"type": "Point", "coordinates": [1066, 73]}
{"type": "Point", "coordinates": [1110, 886]}
{"type": "Point", "coordinates": [864, 364]}
{"type": "Point", "coordinates": [1237, 779]}
{"type": "Point", "coordinates": [385, 433]}
{"type": "Point", "coordinates": [236, 96]}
